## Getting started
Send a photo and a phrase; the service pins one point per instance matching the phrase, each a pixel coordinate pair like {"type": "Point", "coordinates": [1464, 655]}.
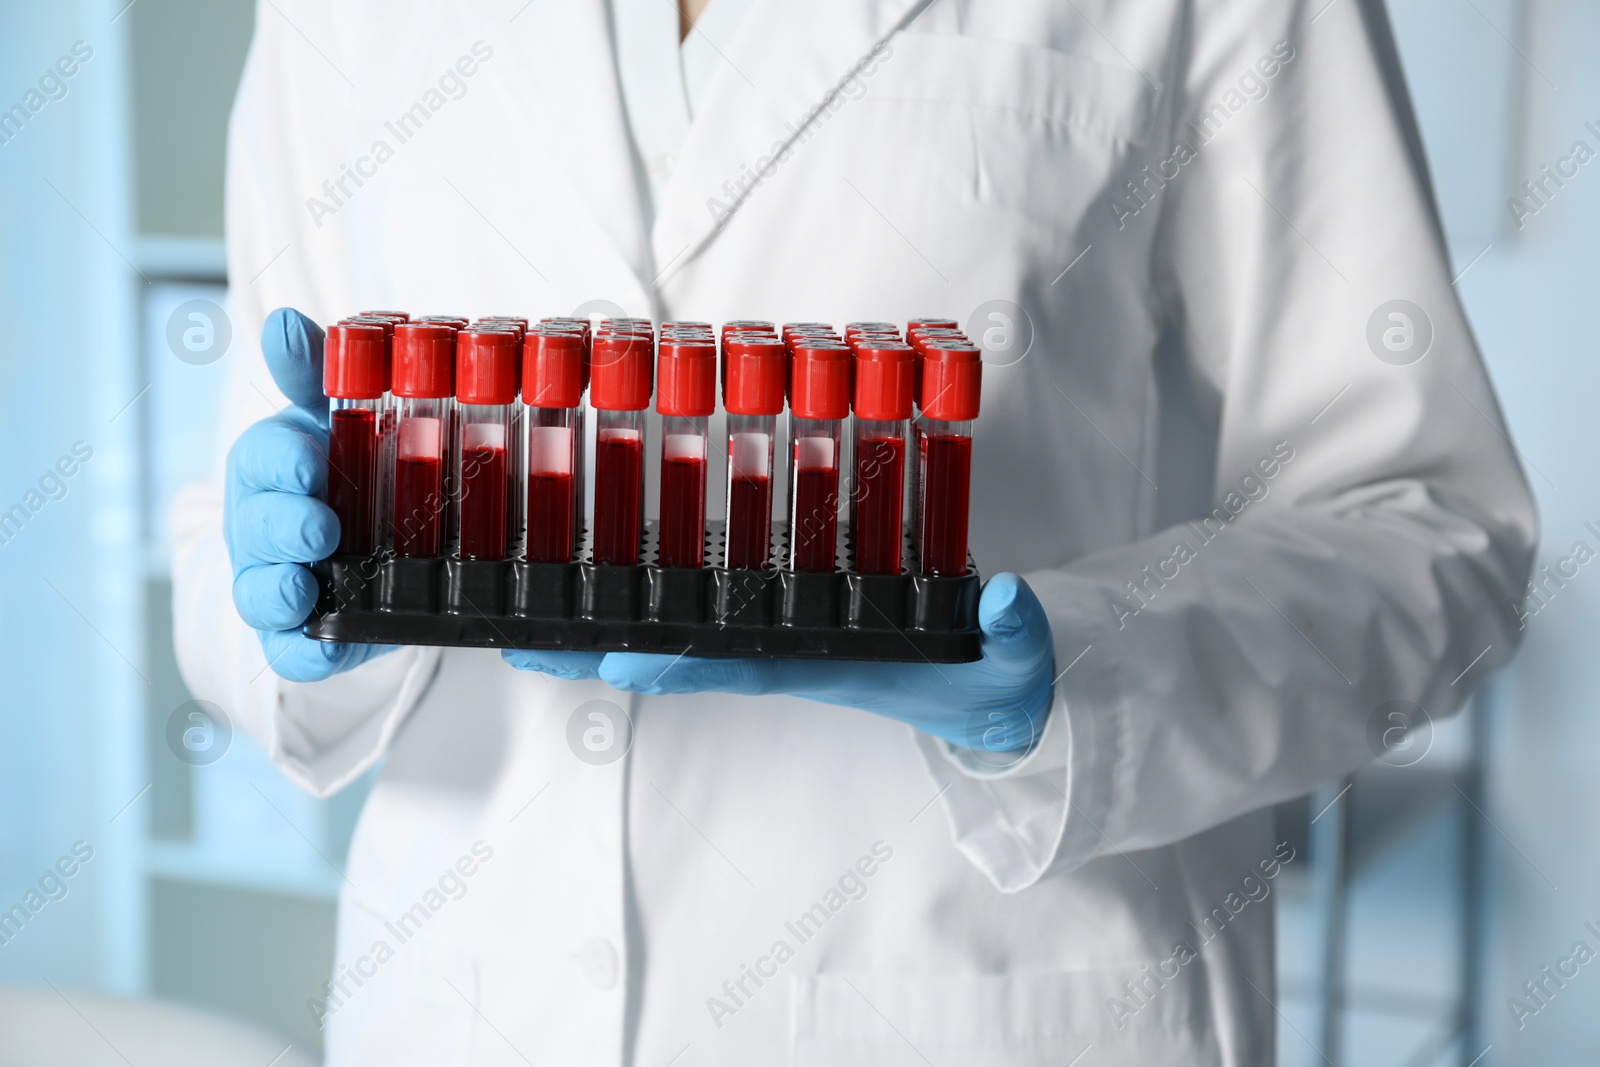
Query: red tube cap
{"type": "Point", "coordinates": [486, 366]}
{"type": "Point", "coordinates": [355, 361]}
{"type": "Point", "coordinates": [952, 381]}
{"type": "Point", "coordinates": [686, 377]}
{"type": "Point", "coordinates": [820, 377]}
{"type": "Point", "coordinates": [884, 374]}
{"type": "Point", "coordinates": [620, 372]}
{"type": "Point", "coordinates": [397, 316]}
{"type": "Point", "coordinates": [937, 324]}
{"type": "Point", "coordinates": [921, 335]}
{"type": "Point", "coordinates": [424, 359]}
{"type": "Point", "coordinates": [552, 369]}
{"type": "Point", "coordinates": [756, 370]}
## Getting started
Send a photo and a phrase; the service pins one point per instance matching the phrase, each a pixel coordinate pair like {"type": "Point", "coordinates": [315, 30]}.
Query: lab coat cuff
{"type": "Point", "coordinates": [326, 734]}
{"type": "Point", "coordinates": [1016, 823]}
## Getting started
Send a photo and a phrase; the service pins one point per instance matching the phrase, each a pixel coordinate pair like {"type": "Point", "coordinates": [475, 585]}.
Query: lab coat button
{"type": "Point", "coordinates": [600, 963]}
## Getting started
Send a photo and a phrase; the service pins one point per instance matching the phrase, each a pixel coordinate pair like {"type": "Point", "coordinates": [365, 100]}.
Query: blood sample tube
{"type": "Point", "coordinates": [552, 389]}
{"type": "Point", "coordinates": [819, 401]}
{"type": "Point", "coordinates": [355, 377]}
{"type": "Point", "coordinates": [952, 383]}
{"type": "Point", "coordinates": [621, 375]}
{"type": "Point", "coordinates": [486, 481]}
{"type": "Point", "coordinates": [919, 336]}
{"type": "Point", "coordinates": [423, 382]}
{"type": "Point", "coordinates": [882, 405]}
{"type": "Point", "coordinates": [932, 324]}
{"type": "Point", "coordinates": [756, 372]}
{"type": "Point", "coordinates": [686, 394]}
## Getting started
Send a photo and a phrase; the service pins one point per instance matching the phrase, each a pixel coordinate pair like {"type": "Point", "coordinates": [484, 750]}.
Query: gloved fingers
{"type": "Point", "coordinates": [274, 596]}
{"type": "Point", "coordinates": [268, 527]}
{"type": "Point", "coordinates": [295, 657]}
{"type": "Point", "coordinates": [277, 454]}
{"type": "Point", "coordinates": [1016, 632]}
{"type": "Point", "coordinates": [649, 672]}
{"type": "Point", "coordinates": [573, 666]}
{"type": "Point", "coordinates": [853, 684]}
{"type": "Point", "coordinates": [292, 346]}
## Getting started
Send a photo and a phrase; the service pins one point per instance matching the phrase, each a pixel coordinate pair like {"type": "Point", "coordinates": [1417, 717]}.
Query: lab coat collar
{"type": "Point", "coordinates": [572, 95]}
{"type": "Point", "coordinates": [787, 61]}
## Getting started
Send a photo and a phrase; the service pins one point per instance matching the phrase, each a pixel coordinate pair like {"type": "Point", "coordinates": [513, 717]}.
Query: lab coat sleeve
{"type": "Point", "coordinates": [1373, 532]}
{"type": "Point", "coordinates": [284, 141]}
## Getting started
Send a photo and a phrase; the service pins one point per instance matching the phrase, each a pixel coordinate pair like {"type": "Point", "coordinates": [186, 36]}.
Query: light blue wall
{"type": "Point", "coordinates": [69, 578]}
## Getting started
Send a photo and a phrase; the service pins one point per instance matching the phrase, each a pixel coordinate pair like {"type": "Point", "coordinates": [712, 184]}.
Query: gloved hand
{"type": "Point", "coordinates": [997, 704]}
{"type": "Point", "coordinates": [272, 518]}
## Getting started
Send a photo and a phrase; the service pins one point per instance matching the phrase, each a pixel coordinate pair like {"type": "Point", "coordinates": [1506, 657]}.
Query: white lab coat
{"type": "Point", "coordinates": [1378, 537]}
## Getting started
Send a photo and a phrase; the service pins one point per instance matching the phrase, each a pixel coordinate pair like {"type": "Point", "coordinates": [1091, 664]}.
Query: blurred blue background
{"type": "Point", "coordinates": [1432, 892]}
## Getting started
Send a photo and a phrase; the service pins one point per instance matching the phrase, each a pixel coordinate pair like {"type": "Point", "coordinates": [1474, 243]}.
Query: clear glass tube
{"type": "Point", "coordinates": [419, 503]}
{"type": "Point", "coordinates": [814, 460]}
{"type": "Point", "coordinates": [917, 460]}
{"type": "Point", "coordinates": [877, 495]}
{"type": "Point", "coordinates": [555, 490]}
{"type": "Point", "coordinates": [618, 486]}
{"type": "Point", "coordinates": [749, 499]}
{"type": "Point", "coordinates": [354, 475]}
{"type": "Point", "coordinates": [486, 481]}
{"type": "Point", "coordinates": [681, 534]}
{"type": "Point", "coordinates": [946, 471]}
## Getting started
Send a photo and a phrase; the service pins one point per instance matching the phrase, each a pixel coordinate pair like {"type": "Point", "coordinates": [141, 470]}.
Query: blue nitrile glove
{"type": "Point", "coordinates": [997, 704]}
{"type": "Point", "coordinates": [272, 518]}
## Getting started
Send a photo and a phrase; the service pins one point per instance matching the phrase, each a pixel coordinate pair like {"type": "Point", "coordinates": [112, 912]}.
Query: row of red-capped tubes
{"type": "Point", "coordinates": [424, 465]}
{"type": "Point", "coordinates": [428, 446]}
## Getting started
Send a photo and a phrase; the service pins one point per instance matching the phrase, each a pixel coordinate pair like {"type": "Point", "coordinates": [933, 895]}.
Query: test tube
{"type": "Point", "coordinates": [919, 335]}
{"type": "Point", "coordinates": [952, 384]}
{"type": "Point", "coordinates": [882, 405]}
{"type": "Point", "coordinates": [819, 401]}
{"type": "Point", "coordinates": [755, 387]}
{"type": "Point", "coordinates": [486, 480]}
{"type": "Point", "coordinates": [686, 394]}
{"type": "Point", "coordinates": [424, 380]}
{"type": "Point", "coordinates": [355, 377]}
{"type": "Point", "coordinates": [621, 375]}
{"type": "Point", "coordinates": [552, 390]}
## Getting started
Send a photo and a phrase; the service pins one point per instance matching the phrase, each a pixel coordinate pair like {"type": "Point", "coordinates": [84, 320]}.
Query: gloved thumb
{"type": "Point", "coordinates": [292, 347]}
{"type": "Point", "coordinates": [1015, 629]}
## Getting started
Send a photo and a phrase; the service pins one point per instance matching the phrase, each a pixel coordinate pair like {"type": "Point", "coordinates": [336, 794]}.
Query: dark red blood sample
{"type": "Point", "coordinates": [815, 523]}
{"type": "Point", "coordinates": [418, 506]}
{"type": "Point", "coordinates": [947, 484]}
{"type": "Point", "coordinates": [749, 523]}
{"type": "Point", "coordinates": [485, 486]}
{"type": "Point", "coordinates": [618, 473]}
{"type": "Point", "coordinates": [880, 481]}
{"type": "Point", "coordinates": [919, 480]}
{"type": "Point", "coordinates": [683, 512]}
{"type": "Point", "coordinates": [352, 459]}
{"type": "Point", "coordinates": [550, 518]}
